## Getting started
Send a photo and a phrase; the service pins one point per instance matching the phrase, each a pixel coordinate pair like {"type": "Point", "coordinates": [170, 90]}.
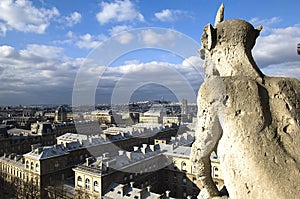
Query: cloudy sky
{"type": "Point", "coordinates": [127, 49]}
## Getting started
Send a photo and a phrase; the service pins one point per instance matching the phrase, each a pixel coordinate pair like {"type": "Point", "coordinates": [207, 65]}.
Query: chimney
{"type": "Point", "coordinates": [122, 134]}
{"type": "Point", "coordinates": [104, 155]}
{"type": "Point", "coordinates": [148, 188]}
{"type": "Point", "coordinates": [80, 142]}
{"type": "Point", "coordinates": [143, 150]}
{"type": "Point", "coordinates": [168, 193]}
{"type": "Point", "coordinates": [185, 135]}
{"type": "Point", "coordinates": [123, 190]}
{"type": "Point", "coordinates": [142, 193]}
{"type": "Point", "coordinates": [129, 155]}
{"type": "Point", "coordinates": [104, 136]}
{"type": "Point", "coordinates": [152, 147]}
{"type": "Point", "coordinates": [135, 148]}
{"type": "Point", "coordinates": [34, 146]}
{"type": "Point", "coordinates": [40, 150]}
{"type": "Point", "coordinates": [87, 161]}
{"type": "Point", "coordinates": [131, 184]}
{"type": "Point", "coordinates": [121, 153]}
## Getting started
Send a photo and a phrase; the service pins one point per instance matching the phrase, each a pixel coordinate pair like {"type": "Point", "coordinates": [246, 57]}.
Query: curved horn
{"type": "Point", "coordinates": [220, 15]}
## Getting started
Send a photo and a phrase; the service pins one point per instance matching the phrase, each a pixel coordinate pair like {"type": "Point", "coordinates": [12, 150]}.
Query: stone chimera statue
{"type": "Point", "coordinates": [251, 120]}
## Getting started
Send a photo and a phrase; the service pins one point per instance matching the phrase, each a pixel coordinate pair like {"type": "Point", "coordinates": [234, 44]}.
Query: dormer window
{"type": "Point", "coordinates": [79, 181]}
{"type": "Point", "coordinates": [87, 183]}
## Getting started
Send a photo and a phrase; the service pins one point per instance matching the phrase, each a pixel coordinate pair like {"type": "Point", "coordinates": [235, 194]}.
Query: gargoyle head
{"type": "Point", "coordinates": [226, 39]}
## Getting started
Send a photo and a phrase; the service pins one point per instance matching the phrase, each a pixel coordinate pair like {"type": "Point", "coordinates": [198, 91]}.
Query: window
{"type": "Point", "coordinates": [36, 167]}
{"type": "Point", "coordinates": [183, 166]}
{"type": "Point", "coordinates": [27, 164]}
{"type": "Point", "coordinates": [79, 181]}
{"type": "Point", "coordinates": [216, 172]}
{"type": "Point", "coordinates": [32, 166]}
{"type": "Point", "coordinates": [96, 186]}
{"type": "Point", "coordinates": [87, 183]}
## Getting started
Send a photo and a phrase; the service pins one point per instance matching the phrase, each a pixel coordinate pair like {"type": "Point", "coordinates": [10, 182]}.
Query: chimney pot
{"type": "Point", "coordinates": [152, 147]}
{"type": "Point", "coordinates": [121, 153]}
{"type": "Point", "coordinates": [168, 193]}
{"type": "Point", "coordinates": [131, 184]}
{"type": "Point", "coordinates": [135, 148]}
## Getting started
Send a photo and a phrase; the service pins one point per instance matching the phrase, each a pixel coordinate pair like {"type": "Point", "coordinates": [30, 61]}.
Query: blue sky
{"type": "Point", "coordinates": [45, 43]}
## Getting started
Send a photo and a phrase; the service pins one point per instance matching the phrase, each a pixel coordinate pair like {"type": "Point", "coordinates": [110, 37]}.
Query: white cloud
{"type": "Point", "coordinates": [122, 36]}
{"type": "Point", "coordinates": [7, 51]}
{"type": "Point", "coordinates": [125, 38]}
{"type": "Point", "coordinates": [43, 51]}
{"type": "Point", "coordinates": [119, 11]}
{"type": "Point", "coordinates": [70, 34]}
{"type": "Point", "coordinates": [21, 15]}
{"type": "Point", "coordinates": [265, 22]}
{"type": "Point", "coordinates": [118, 29]}
{"type": "Point", "coordinates": [36, 74]}
{"type": "Point", "coordinates": [175, 77]}
{"type": "Point", "coordinates": [86, 41]}
{"type": "Point", "coordinates": [3, 29]}
{"type": "Point", "coordinates": [150, 37]}
{"type": "Point", "coordinates": [43, 74]}
{"type": "Point", "coordinates": [193, 61]}
{"type": "Point", "coordinates": [134, 61]}
{"type": "Point", "coordinates": [168, 15]}
{"type": "Point", "coordinates": [89, 41]}
{"type": "Point", "coordinates": [72, 19]}
{"type": "Point", "coordinates": [287, 69]}
{"type": "Point", "coordinates": [280, 46]}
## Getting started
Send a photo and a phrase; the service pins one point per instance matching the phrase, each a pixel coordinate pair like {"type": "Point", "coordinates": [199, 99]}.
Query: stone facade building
{"type": "Point", "coordinates": [163, 167]}
{"type": "Point", "coordinates": [45, 167]}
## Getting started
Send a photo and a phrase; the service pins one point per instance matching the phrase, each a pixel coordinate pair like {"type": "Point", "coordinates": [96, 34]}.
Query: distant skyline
{"type": "Point", "coordinates": [45, 42]}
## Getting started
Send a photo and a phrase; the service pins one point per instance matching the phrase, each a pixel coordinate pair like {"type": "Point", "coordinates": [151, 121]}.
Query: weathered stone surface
{"type": "Point", "coordinates": [251, 120]}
